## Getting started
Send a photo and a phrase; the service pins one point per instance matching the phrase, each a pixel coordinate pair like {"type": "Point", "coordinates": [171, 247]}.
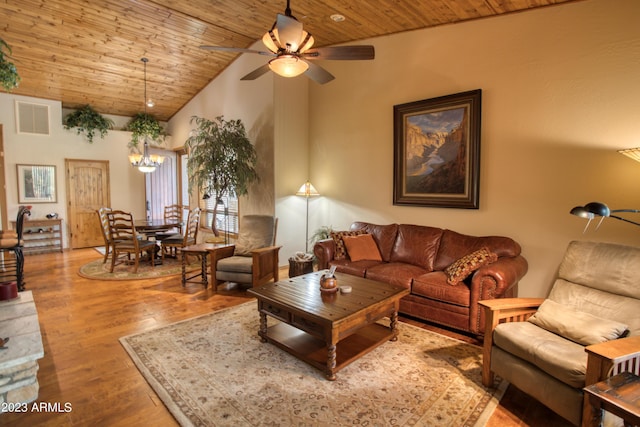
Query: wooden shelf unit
{"type": "Point", "coordinates": [41, 235]}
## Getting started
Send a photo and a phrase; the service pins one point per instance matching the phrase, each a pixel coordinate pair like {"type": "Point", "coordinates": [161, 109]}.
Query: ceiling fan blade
{"type": "Point", "coordinates": [236, 50]}
{"type": "Point", "coordinates": [257, 72]}
{"type": "Point", "coordinates": [289, 31]}
{"type": "Point", "coordinates": [318, 74]}
{"type": "Point", "coordinates": [355, 52]}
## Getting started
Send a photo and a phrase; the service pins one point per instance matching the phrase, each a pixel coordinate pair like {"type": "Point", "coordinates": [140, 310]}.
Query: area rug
{"type": "Point", "coordinates": [213, 370]}
{"type": "Point", "coordinates": [100, 271]}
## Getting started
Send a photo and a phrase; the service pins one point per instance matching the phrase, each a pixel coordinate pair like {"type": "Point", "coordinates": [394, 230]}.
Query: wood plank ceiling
{"type": "Point", "coordinates": [88, 51]}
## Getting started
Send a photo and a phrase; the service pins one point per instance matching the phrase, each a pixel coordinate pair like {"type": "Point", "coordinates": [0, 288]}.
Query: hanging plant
{"type": "Point", "coordinates": [221, 159]}
{"type": "Point", "coordinates": [9, 78]}
{"type": "Point", "coordinates": [87, 120]}
{"type": "Point", "coordinates": [144, 125]}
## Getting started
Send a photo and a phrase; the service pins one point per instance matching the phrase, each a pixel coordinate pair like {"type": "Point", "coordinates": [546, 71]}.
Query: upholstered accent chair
{"type": "Point", "coordinates": [253, 259]}
{"type": "Point", "coordinates": [126, 242]}
{"type": "Point", "coordinates": [177, 241]}
{"type": "Point", "coordinates": [587, 329]}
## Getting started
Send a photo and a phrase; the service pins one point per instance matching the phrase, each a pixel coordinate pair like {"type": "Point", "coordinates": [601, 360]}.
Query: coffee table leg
{"type": "Point", "coordinates": [263, 327]}
{"type": "Point", "coordinates": [331, 362]}
{"type": "Point", "coordinates": [393, 325]}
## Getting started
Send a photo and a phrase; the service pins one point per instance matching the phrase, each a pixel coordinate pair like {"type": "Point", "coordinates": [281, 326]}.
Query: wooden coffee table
{"type": "Point", "coordinates": [328, 330]}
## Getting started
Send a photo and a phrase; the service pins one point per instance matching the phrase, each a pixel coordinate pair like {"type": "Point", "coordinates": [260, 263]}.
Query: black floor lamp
{"type": "Point", "coordinates": [307, 190]}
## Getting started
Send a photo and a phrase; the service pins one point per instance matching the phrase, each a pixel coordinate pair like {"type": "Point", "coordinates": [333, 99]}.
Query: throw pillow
{"type": "Point", "coordinates": [362, 247]}
{"type": "Point", "coordinates": [577, 326]}
{"type": "Point", "coordinates": [341, 252]}
{"type": "Point", "coordinates": [462, 268]}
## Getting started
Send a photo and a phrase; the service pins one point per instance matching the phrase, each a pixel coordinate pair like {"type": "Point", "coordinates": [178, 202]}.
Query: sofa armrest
{"type": "Point", "coordinates": [324, 251]}
{"type": "Point", "coordinates": [216, 254]}
{"type": "Point", "coordinates": [505, 273]}
{"type": "Point", "coordinates": [499, 311]}
{"type": "Point", "coordinates": [496, 280]}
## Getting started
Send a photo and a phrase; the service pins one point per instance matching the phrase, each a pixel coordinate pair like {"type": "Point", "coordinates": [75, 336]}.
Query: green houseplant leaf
{"type": "Point", "coordinates": [144, 125]}
{"type": "Point", "coordinates": [221, 159]}
{"type": "Point", "coordinates": [87, 120]}
{"type": "Point", "coordinates": [9, 78]}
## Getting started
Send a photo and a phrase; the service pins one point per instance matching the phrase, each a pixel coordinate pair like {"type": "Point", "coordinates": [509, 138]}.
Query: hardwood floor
{"type": "Point", "coordinates": [84, 364]}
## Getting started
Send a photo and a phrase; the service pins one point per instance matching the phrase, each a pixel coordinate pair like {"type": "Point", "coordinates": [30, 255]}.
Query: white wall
{"type": "Point", "coordinates": [560, 95]}
{"type": "Point", "coordinates": [127, 184]}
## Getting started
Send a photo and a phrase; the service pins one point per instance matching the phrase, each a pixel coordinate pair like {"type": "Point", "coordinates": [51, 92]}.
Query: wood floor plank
{"type": "Point", "coordinates": [81, 321]}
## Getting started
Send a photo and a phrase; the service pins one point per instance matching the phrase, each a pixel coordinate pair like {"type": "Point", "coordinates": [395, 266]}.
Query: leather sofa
{"type": "Point", "coordinates": [416, 257]}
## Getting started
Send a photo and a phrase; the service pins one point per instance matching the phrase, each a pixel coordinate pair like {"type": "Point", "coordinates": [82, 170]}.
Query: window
{"type": "Point", "coordinates": [224, 223]}
{"type": "Point", "coordinates": [161, 185]}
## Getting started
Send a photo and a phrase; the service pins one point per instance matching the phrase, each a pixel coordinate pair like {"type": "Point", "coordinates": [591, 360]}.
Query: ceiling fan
{"type": "Point", "coordinates": [291, 49]}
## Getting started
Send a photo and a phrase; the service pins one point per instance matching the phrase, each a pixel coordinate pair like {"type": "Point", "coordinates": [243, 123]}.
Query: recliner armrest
{"type": "Point", "coordinates": [502, 310]}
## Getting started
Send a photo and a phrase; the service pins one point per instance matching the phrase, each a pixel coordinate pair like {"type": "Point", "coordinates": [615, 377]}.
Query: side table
{"type": "Point", "coordinates": [619, 395]}
{"type": "Point", "coordinates": [298, 268]}
{"type": "Point", "coordinates": [202, 251]}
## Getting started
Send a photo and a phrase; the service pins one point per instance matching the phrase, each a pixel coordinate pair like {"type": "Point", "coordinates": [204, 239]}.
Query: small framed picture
{"type": "Point", "coordinates": [36, 184]}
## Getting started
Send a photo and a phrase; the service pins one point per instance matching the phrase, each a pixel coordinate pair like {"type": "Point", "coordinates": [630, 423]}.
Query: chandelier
{"type": "Point", "coordinates": [146, 162]}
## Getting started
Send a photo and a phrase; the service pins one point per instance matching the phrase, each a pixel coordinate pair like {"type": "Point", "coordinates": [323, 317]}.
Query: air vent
{"type": "Point", "coordinates": [32, 118]}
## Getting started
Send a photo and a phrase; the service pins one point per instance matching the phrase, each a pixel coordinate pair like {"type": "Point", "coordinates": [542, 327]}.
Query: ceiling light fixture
{"type": "Point", "coordinates": [633, 153]}
{"type": "Point", "coordinates": [144, 161]}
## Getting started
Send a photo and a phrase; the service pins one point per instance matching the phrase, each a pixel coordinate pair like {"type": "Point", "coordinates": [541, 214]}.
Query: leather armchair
{"type": "Point", "coordinates": [253, 259]}
{"type": "Point", "coordinates": [587, 329]}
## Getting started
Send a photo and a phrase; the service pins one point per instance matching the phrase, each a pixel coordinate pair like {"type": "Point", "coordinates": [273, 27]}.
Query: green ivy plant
{"type": "Point", "coordinates": [87, 120]}
{"type": "Point", "coordinates": [9, 78]}
{"type": "Point", "coordinates": [221, 159]}
{"type": "Point", "coordinates": [144, 125]}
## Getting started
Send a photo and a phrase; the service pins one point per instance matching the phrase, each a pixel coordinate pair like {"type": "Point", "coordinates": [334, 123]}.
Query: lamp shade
{"type": "Point", "coordinates": [307, 190]}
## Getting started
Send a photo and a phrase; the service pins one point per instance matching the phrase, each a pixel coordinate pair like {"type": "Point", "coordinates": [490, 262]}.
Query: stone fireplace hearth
{"type": "Point", "coordinates": [19, 361]}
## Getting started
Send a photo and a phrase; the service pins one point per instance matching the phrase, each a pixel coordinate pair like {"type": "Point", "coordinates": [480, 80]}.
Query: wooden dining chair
{"type": "Point", "coordinates": [125, 240]}
{"type": "Point", "coordinates": [104, 224]}
{"type": "Point", "coordinates": [172, 244]}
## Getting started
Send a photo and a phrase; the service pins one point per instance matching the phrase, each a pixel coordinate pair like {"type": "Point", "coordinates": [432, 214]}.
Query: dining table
{"type": "Point", "coordinates": [151, 228]}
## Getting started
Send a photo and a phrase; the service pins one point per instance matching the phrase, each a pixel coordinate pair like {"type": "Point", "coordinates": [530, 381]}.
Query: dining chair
{"type": "Point", "coordinates": [173, 243]}
{"type": "Point", "coordinates": [104, 224]}
{"type": "Point", "coordinates": [173, 214]}
{"type": "Point", "coordinates": [11, 243]}
{"type": "Point", "coordinates": [125, 240]}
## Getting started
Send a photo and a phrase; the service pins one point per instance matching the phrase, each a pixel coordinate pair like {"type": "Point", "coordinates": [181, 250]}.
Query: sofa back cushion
{"type": "Point", "coordinates": [384, 236]}
{"type": "Point", "coordinates": [454, 246]}
{"type": "Point", "coordinates": [601, 279]}
{"type": "Point", "coordinates": [416, 245]}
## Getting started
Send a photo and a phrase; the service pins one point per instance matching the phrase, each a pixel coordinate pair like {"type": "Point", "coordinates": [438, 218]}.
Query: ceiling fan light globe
{"type": "Point", "coordinates": [308, 44]}
{"type": "Point", "coordinates": [288, 66]}
{"type": "Point", "coordinates": [267, 40]}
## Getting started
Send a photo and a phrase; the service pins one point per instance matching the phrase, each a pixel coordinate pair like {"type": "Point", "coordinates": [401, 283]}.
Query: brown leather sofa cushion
{"type": "Point", "coordinates": [395, 273]}
{"type": "Point", "coordinates": [434, 286]}
{"type": "Point", "coordinates": [454, 246]}
{"type": "Point", "coordinates": [417, 245]}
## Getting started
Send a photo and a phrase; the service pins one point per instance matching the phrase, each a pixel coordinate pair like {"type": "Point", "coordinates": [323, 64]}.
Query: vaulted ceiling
{"type": "Point", "coordinates": [89, 51]}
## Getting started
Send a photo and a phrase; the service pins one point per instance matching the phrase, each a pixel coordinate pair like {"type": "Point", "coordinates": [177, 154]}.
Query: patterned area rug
{"type": "Point", "coordinates": [214, 371]}
{"type": "Point", "coordinates": [100, 271]}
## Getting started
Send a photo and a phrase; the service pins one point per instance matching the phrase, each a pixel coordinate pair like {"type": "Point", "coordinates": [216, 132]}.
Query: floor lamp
{"type": "Point", "coordinates": [307, 190]}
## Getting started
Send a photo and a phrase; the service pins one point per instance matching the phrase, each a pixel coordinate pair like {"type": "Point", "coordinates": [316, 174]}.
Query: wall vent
{"type": "Point", "coordinates": [32, 118]}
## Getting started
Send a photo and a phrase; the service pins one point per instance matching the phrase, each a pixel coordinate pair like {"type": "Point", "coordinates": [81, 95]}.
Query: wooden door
{"type": "Point", "coordinates": [87, 190]}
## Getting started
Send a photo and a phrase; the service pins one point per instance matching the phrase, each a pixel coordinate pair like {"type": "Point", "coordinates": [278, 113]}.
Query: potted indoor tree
{"type": "Point", "coordinates": [9, 78]}
{"type": "Point", "coordinates": [221, 160]}
{"type": "Point", "coordinates": [87, 120]}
